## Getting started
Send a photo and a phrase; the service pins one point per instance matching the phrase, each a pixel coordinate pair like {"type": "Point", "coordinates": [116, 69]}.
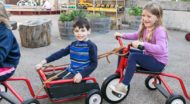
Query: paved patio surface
{"type": "Point", "coordinates": [179, 63]}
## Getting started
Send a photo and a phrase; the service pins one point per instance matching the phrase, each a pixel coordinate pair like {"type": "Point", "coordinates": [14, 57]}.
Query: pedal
{"type": "Point", "coordinates": [116, 94]}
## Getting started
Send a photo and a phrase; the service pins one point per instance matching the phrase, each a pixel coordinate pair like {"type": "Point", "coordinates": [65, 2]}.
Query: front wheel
{"type": "Point", "coordinates": [31, 101]}
{"type": "Point", "coordinates": [108, 93]}
{"type": "Point", "coordinates": [94, 97]}
{"type": "Point", "coordinates": [176, 99]}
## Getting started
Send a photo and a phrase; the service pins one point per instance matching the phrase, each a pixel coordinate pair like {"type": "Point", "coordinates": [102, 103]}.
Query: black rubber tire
{"type": "Point", "coordinates": [2, 88]}
{"type": "Point", "coordinates": [149, 80]}
{"type": "Point", "coordinates": [31, 101]}
{"type": "Point", "coordinates": [176, 99]}
{"type": "Point", "coordinates": [187, 36]}
{"type": "Point", "coordinates": [107, 95]}
{"type": "Point", "coordinates": [94, 97]}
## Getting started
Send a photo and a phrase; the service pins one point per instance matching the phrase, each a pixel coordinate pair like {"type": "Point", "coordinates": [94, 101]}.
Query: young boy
{"type": "Point", "coordinates": [83, 53]}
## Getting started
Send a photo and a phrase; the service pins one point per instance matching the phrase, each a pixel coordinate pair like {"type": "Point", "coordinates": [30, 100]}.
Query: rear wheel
{"type": "Point", "coordinates": [176, 99]}
{"type": "Point", "coordinates": [94, 97]}
{"type": "Point", "coordinates": [151, 81]}
{"type": "Point", "coordinates": [108, 94]}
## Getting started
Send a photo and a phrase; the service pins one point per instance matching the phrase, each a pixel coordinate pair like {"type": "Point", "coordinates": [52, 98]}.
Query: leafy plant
{"type": "Point", "coordinates": [135, 11]}
{"type": "Point", "coordinates": [65, 17]}
{"type": "Point", "coordinates": [95, 15]}
{"type": "Point", "coordinates": [70, 16]}
{"type": "Point", "coordinates": [77, 13]}
{"type": "Point", "coordinates": [38, 3]}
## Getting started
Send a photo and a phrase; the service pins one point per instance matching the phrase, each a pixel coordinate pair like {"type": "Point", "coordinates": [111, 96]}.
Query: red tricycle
{"type": "Point", "coordinates": [56, 90]}
{"type": "Point", "coordinates": [152, 82]}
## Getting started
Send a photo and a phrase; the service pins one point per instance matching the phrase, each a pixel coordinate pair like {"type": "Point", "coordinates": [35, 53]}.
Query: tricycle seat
{"type": "Point", "coordinates": [146, 71]}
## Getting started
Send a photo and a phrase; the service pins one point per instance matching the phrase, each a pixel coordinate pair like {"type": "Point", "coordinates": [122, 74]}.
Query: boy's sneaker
{"type": "Point", "coordinates": [119, 90]}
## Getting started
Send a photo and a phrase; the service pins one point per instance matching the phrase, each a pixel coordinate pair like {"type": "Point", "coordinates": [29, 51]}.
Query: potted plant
{"type": "Point", "coordinates": [134, 16]}
{"type": "Point", "coordinates": [65, 23]}
{"type": "Point", "coordinates": [135, 11]}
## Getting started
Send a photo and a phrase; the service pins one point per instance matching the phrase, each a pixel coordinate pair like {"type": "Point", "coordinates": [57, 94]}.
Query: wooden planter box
{"type": "Point", "coordinates": [65, 30]}
{"type": "Point", "coordinates": [132, 21]}
{"type": "Point", "coordinates": [135, 22]}
{"type": "Point", "coordinates": [101, 25]}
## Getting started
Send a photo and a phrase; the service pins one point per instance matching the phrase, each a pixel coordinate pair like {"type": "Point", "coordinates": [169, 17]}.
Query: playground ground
{"type": "Point", "coordinates": [179, 63]}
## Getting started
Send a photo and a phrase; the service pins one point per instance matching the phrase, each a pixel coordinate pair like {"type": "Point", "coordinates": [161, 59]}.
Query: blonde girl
{"type": "Point", "coordinates": [153, 37]}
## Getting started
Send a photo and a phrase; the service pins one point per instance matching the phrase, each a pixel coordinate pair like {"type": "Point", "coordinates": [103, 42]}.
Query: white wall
{"type": "Point", "coordinates": [176, 14]}
{"type": "Point", "coordinates": [179, 20]}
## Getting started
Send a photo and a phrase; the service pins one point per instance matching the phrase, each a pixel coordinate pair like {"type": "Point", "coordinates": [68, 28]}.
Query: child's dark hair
{"type": "Point", "coordinates": [81, 22]}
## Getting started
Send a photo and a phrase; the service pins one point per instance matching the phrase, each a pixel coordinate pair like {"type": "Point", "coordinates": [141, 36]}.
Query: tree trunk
{"type": "Point", "coordinates": [35, 33]}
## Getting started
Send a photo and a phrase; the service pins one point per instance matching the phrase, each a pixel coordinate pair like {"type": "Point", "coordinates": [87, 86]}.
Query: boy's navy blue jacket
{"type": "Point", "coordinates": [83, 56]}
{"type": "Point", "coordinates": [9, 48]}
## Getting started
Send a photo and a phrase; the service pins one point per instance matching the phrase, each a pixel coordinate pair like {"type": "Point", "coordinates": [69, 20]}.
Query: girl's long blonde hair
{"type": "Point", "coordinates": [156, 10]}
{"type": "Point", "coordinates": [4, 18]}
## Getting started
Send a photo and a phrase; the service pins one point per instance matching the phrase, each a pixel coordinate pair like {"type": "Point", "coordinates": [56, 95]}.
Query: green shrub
{"type": "Point", "coordinates": [135, 11]}
{"type": "Point", "coordinates": [70, 16]}
{"type": "Point", "coordinates": [65, 17]}
{"type": "Point", "coordinates": [38, 3]}
{"type": "Point", "coordinates": [95, 15]}
{"type": "Point", "coordinates": [77, 13]}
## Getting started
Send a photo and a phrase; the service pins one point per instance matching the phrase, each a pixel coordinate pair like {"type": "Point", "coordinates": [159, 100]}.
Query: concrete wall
{"type": "Point", "coordinates": [179, 20]}
{"type": "Point", "coordinates": [168, 5]}
{"type": "Point", "coordinates": [176, 14]}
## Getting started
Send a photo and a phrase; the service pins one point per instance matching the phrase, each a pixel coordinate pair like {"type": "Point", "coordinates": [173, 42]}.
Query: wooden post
{"type": "Point", "coordinates": [35, 33]}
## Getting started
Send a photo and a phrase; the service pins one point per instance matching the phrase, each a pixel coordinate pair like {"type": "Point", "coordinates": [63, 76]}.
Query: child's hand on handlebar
{"type": "Point", "coordinates": [117, 34]}
{"type": "Point", "coordinates": [40, 65]}
{"type": "Point", "coordinates": [136, 43]}
{"type": "Point", "coordinates": [77, 78]}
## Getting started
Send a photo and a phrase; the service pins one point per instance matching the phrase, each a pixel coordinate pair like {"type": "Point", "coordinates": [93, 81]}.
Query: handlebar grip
{"type": "Point", "coordinates": [117, 37]}
{"type": "Point", "coordinates": [119, 40]}
{"type": "Point", "coordinates": [140, 47]}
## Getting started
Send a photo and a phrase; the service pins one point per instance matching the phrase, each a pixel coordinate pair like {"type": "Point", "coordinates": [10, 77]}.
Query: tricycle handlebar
{"type": "Point", "coordinates": [120, 41]}
{"type": "Point", "coordinates": [141, 47]}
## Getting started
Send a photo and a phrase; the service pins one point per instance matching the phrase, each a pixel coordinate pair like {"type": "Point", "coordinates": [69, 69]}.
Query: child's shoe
{"type": "Point", "coordinates": [119, 90]}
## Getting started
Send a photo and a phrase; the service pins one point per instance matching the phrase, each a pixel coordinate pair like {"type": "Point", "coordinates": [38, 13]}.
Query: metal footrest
{"type": "Point", "coordinates": [162, 91]}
